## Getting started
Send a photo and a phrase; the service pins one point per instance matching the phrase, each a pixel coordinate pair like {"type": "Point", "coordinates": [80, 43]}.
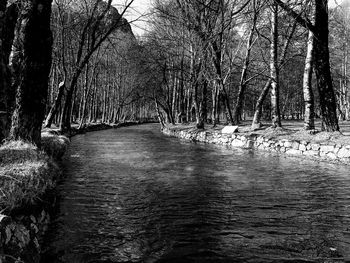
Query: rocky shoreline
{"type": "Point", "coordinates": [21, 236]}
{"type": "Point", "coordinates": [24, 220]}
{"type": "Point", "coordinates": [327, 151]}
{"type": "Point", "coordinates": [23, 227]}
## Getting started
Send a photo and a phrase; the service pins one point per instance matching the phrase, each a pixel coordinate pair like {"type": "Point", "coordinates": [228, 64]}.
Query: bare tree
{"type": "Point", "coordinates": [243, 80]}
{"type": "Point", "coordinates": [97, 28]}
{"type": "Point", "coordinates": [320, 30]}
{"type": "Point", "coordinates": [256, 123]}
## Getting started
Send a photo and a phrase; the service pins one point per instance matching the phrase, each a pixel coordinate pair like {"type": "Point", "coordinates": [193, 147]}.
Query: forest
{"type": "Point", "coordinates": [65, 62]}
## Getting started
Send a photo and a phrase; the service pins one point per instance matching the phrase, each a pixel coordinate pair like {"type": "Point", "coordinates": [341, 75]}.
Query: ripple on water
{"type": "Point", "coordinates": [134, 195]}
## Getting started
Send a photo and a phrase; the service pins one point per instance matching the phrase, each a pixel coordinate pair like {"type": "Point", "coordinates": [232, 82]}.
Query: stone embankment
{"type": "Point", "coordinates": [21, 236]}
{"type": "Point", "coordinates": [28, 177]}
{"type": "Point", "coordinates": [325, 151]}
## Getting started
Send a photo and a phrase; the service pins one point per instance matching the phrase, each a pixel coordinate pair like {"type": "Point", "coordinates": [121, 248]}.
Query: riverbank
{"type": "Point", "coordinates": [89, 127]}
{"type": "Point", "coordinates": [331, 147]}
{"type": "Point", "coordinates": [27, 177]}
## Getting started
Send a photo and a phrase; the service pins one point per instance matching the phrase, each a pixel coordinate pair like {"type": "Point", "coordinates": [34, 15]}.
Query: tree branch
{"type": "Point", "coordinates": [305, 22]}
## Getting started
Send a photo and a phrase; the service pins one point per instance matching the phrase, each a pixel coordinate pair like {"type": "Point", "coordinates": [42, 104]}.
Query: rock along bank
{"type": "Point", "coordinates": [28, 177]}
{"type": "Point", "coordinates": [326, 151]}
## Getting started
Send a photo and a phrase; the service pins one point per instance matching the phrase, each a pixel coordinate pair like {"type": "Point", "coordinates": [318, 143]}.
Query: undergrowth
{"type": "Point", "coordinates": [26, 173]}
{"type": "Point", "coordinates": [54, 145]}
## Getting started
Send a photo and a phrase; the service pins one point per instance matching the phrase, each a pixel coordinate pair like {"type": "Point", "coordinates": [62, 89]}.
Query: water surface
{"type": "Point", "coordinates": [134, 195]}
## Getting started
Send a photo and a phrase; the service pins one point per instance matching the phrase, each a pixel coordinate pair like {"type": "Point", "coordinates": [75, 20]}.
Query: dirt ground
{"type": "Point", "coordinates": [291, 130]}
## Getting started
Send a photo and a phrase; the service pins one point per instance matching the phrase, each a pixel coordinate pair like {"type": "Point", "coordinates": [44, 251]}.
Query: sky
{"type": "Point", "coordinates": [136, 14]}
{"type": "Point", "coordinates": [138, 11]}
{"type": "Point", "coordinates": [333, 3]}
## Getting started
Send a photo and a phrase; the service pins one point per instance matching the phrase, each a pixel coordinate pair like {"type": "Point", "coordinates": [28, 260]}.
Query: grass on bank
{"type": "Point", "coordinates": [26, 173]}
{"type": "Point", "coordinates": [53, 144]}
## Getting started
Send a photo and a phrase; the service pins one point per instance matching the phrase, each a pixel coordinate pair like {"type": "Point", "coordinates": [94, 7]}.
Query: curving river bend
{"type": "Point", "coordinates": [134, 195]}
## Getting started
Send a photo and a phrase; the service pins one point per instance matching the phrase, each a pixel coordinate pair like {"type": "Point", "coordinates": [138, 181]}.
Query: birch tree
{"type": "Point", "coordinates": [274, 70]}
{"type": "Point", "coordinates": [325, 88]}
{"type": "Point", "coordinates": [309, 115]}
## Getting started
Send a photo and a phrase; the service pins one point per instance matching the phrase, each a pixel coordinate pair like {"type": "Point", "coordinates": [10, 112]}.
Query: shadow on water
{"type": "Point", "coordinates": [134, 195]}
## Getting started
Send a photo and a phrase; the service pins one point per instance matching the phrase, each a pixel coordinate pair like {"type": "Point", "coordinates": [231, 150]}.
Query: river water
{"type": "Point", "coordinates": [135, 195]}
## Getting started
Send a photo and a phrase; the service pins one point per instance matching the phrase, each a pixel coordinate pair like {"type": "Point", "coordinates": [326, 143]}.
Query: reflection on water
{"type": "Point", "coordinates": [134, 195]}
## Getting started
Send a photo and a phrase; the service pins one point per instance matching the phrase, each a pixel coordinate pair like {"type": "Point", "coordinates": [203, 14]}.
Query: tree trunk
{"type": "Point", "coordinates": [203, 103]}
{"type": "Point", "coordinates": [182, 97]}
{"type": "Point", "coordinates": [65, 123]}
{"type": "Point", "coordinates": [237, 112]}
{"type": "Point", "coordinates": [31, 63]}
{"type": "Point", "coordinates": [226, 101]}
{"type": "Point", "coordinates": [104, 106]}
{"type": "Point", "coordinates": [309, 115]}
{"type": "Point", "coordinates": [159, 114]}
{"type": "Point", "coordinates": [328, 105]}
{"type": "Point", "coordinates": [4, 78]}
{"type": "Point", "coordinates": [169, 114]}
{"type": "Point", "coordinates": [215, 99]}
{"type": "Point", "coordinates": [258, 108]}
{"type": "Point", "coordinates": [345, 83]}
{"type": "Point", "coordinates": [8, 31]}
{"type": "Point", "coordinates": [322, 68]}
{"type": "Point", "coordinates": [256, 124]}
{"type": "Point", "coordinates": [188, 104]}
{"type": "Point", "coordinates": [274, 71]}
{"type": "Point", "coordinates": [10, 21]}
{"type": "Point", "coordinates": [55, 106]}
{"type": "Point", "coordinates": [93, 101]}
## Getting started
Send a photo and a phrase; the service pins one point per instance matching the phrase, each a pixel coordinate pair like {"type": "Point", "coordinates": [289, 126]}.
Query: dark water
{"type": "Point", "coordinates": [134, 195]}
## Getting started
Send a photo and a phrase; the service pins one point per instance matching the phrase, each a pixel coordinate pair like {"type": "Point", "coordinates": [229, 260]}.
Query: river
{"type": "Point", "coordinates": [135, 195]}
